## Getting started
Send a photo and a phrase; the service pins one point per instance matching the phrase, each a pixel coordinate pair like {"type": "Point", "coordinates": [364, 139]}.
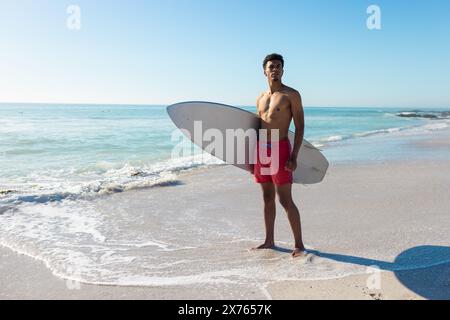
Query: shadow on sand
{"type": "Point", "coordinates": [424, 270]}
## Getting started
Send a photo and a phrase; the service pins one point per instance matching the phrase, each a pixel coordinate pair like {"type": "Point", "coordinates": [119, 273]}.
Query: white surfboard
{"type": "Point", "coordinates": [311, 164]}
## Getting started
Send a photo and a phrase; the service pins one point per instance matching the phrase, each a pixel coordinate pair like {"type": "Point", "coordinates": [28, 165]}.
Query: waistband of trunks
{"type": "Point", "coordinates": [270, 143]}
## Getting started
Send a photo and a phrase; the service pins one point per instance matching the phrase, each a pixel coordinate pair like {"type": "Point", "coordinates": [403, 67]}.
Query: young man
{"type": "Point", "coordinates": [276, 108]}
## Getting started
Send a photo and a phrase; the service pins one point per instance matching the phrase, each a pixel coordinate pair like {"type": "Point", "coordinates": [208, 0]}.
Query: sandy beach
{"type": "Point", "coordinates": [391, 215]}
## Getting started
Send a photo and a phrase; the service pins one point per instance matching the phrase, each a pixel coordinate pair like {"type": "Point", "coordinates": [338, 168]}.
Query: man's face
{"type": "Point", "coordinates": [274, 70]}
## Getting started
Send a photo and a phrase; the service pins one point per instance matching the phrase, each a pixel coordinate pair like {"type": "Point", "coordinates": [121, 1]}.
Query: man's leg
{"type": "Point", "coordinates": [269, 214]}
{"type": "Point", "coordinates": [285, 196]}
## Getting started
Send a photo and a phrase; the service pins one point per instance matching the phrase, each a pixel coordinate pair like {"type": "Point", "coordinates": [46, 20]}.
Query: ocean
{"type": "Point", "coordinates": [58, 151]}
{"type": "Point", "coordinates": [56, 161]}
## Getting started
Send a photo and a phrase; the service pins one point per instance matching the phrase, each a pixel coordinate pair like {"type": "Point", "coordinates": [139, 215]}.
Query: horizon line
{"type": "Point", "coordinates": [238, 105]}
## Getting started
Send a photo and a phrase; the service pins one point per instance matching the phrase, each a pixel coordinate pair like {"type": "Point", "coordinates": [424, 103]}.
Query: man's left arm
{"type": "Point", "coordinates": [299, 122]}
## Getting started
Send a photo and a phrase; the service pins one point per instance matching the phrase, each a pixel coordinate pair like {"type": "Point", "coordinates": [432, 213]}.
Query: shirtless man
{"type": "Point", "coordinates": [276, 108]}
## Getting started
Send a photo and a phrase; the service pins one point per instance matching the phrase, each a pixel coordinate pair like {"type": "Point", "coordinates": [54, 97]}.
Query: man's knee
{"type": "Point", "coordinates": [286, 202]}
{"type": "Point", "coordinates": [269, 197]}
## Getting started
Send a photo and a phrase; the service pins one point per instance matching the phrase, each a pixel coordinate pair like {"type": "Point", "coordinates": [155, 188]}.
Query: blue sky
{"type": "Point", "coordinates": [166, 51]}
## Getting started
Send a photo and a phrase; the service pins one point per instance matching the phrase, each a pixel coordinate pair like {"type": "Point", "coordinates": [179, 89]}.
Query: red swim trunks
{"type": "Point", "coordinates": [271, 161]}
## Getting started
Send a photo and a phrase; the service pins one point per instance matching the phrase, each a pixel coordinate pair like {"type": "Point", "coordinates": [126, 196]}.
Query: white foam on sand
{"type": "Point", "coordinates": [90, 182]}
{"type": "Point", "coordinates": [200, 233]}
{"type": "Point", "coordinates": [79, 242]}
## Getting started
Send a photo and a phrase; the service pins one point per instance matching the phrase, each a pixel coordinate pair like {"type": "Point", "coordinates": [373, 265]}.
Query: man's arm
{"type": "Point", "coordinates": [258, 114]}
{"type": "Point", "coordinates": [257, 105]}
{"type": "Point", "coordinates": [299, 122]}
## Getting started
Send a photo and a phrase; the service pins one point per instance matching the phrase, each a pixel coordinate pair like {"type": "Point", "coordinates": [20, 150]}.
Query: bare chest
{"type": "Point", "coordinates": [274, 106]}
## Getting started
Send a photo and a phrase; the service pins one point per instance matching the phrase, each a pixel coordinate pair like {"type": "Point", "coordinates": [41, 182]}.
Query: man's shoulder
{"type": "Point", "coordinates": [294, 97]}
{"type": "Point", "coordinates": [262, 94]}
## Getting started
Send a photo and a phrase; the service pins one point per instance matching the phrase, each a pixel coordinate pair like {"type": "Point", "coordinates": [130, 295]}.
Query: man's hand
{"type": "Point", "coordinates": [291, 164]}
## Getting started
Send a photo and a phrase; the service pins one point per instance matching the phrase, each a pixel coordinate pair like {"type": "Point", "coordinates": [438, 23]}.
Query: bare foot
{"type": "Point", "coordinates": [298, 252]}
{"type": "Point", "coordinates": [265, 245]}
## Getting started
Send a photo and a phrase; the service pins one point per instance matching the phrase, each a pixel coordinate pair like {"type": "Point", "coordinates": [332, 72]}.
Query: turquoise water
{"type": "Point", "coordinates": [92, 148]}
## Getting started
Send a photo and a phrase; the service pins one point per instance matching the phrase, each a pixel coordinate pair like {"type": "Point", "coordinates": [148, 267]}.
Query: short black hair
{"type": "Point", "coordinates": [273, 56]}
